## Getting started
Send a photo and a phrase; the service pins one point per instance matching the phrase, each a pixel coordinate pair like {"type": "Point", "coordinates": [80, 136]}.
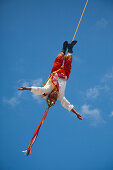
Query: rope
{"type": "Point", "coordinates": [80, 20]}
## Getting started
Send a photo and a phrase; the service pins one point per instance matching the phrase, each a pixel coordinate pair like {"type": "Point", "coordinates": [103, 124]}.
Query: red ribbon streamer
{"type": "Point", "coordinates": [28, 150]}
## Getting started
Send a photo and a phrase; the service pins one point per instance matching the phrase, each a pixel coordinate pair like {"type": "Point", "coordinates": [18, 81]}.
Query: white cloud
{"type": "Point", "coordinates": [108, 77]}
{"type": "Point", "coordinates": [103, 91]}
{"type": "Point", "coordinates": [93, 114]}
{"type": "Point", "coordinates": [94, 92]}
{"type": "Point", "coordinates": [111, 115]}
{"type": "Point", "coordinates": [37, 82]}
{"type": "Point", "coordinates": [25, 84]}
{"type": "Point", "coordinates": [28, 83]}
{"type": "Point", "coordinates": [102, 23]}
{"type": "Point", "coordinates": [12, 101]}
{"type": "Point", "coordinates": [37, 98]}
{"type": "Point", "coordinates": [19, 95]}
{"type": "Point", "coordinates": [105, 85]}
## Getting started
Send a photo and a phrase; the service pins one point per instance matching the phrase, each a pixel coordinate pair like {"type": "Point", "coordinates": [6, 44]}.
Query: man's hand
{"type": "Point", "coordinates": [78, 115]}
{"type": "Point", "coordinates": [24, 88]}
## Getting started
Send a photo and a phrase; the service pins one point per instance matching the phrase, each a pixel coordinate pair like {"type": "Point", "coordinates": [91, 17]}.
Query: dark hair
{"type": "Point", "coordinates": [52, 97]}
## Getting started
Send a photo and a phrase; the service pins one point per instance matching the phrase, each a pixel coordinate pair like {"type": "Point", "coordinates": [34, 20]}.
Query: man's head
{"type": "Point", "coordinates": [52, 97]}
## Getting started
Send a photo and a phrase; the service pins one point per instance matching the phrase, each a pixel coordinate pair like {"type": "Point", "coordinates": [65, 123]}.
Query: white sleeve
{"type": "Point", "coordinates": [66, 104]}
{"type": "Point", "coordinates": [36, 90]}
{"type": "Point", "coordinates": [41, 90]}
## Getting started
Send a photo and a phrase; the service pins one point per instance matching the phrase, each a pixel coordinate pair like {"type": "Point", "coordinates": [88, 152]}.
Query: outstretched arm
{"type": "Point", "coordinates": [38, 90]}
{"type": "Point", "coordinates": [66, 104]}
{"type": "Point", "coordinates": [24, 88]}
{"type": "Point", "coordinates": [78, 115]}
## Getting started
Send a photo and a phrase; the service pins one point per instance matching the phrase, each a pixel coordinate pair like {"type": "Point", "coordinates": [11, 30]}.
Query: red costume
{"type": "Point", "coordinates": [62, 69]}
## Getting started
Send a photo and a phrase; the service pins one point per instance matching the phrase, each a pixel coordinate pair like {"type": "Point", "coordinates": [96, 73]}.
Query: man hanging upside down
{"type": "Point", "coordinates": [54, 88]}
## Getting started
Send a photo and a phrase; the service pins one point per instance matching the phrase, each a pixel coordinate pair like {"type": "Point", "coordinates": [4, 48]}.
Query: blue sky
{"type": "Point", "coordinates": [32, 34]}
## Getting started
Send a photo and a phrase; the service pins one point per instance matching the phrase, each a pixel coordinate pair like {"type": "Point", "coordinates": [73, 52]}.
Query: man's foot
{"type": "Point", "coordinates": [70, 46]}
{"type": "Point", "coordinates": [65, 45]}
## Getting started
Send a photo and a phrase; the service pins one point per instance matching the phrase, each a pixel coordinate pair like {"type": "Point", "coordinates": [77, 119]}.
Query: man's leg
{"type": "Point", "coordinates": [68, 59]}
{"type": "Point", "coordinates": [67, 64]}
{"type": "Point", "coordinates": [59, 59]}
{"type": "Point", "coordinates": [58, 62]}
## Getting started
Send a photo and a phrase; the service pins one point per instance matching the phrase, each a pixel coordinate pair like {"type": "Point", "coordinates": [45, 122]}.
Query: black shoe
{"type": "Point", "coordinates": [65, 45]}
{"type": "Point", "coordinates": [70, 46]}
